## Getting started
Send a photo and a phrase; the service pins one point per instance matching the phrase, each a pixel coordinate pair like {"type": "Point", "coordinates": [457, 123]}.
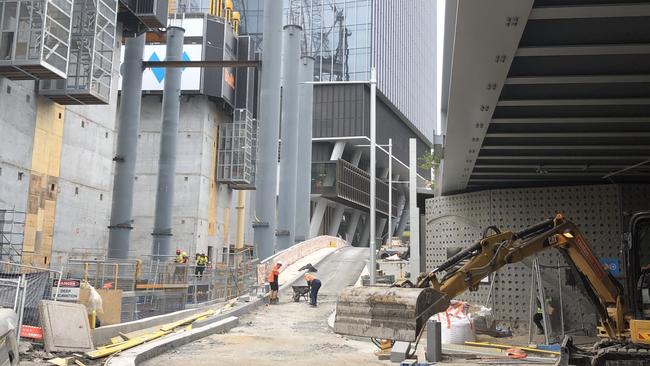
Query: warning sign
{"type": "Point", "coordinates": [68, 289]}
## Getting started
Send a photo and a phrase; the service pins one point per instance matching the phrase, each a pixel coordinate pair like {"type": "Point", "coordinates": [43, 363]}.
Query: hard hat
{"type": "Point", "coordinates": [279, 263]}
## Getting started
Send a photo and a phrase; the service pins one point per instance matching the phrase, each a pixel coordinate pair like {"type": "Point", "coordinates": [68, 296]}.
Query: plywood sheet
{"type": "Point", "coordinates": [111, 304]}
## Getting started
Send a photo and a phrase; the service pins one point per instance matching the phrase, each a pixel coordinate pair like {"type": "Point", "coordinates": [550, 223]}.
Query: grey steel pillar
{"type": "Point", "coordinates": [414, 261]}
{"type": "Point", "coordinates": [171, 103]}
{"type": "Point", "coordinates": [352, 227]}
{"type": "Point", "coordinates": [268, 130]}
{"type": "Point", "coordinates": [373, 172]}
{"type": "Point", "coordinates": [289, 148]}
{"type": "Point", "coordinates": [125, 154]}
{"type": "Point", "coordinates": [303, 176]}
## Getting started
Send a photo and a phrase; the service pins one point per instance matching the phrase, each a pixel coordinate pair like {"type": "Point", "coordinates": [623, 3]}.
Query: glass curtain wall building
{"type": "Point", "coordinates": [340, 35]}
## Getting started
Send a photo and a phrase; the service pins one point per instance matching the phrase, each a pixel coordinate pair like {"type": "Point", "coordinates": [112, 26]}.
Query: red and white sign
{"type": "Point", "coordinates": [68, 289]}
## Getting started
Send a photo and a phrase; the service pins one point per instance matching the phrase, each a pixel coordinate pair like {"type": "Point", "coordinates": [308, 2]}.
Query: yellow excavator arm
{"type": "Point", "coordinates": [399, 313]}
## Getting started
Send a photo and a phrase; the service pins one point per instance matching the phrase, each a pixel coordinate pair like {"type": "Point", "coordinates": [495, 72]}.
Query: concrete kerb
{"type": "Point", "coordinates": [147, 351]}
{"type": "Point", "coordinates": [210, 326]}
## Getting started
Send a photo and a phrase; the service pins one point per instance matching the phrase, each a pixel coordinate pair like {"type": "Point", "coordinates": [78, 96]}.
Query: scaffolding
{"type": "Point", "coordinates": [12, 234]}
{"type": "Point", "coordinates": [91, 56]}
{"type": "Point", "coordinates": [34, 38]}
{"type": "Point", "coordinates": [237, 151]}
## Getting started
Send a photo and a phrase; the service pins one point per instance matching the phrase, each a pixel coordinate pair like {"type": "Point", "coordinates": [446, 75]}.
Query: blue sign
{"type": "Point", "coordinates": [613, 265]}
{"type": "Point", "coordinates": [159, 72]}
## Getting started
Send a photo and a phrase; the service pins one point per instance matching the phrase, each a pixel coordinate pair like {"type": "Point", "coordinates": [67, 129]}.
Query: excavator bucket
{"type": "Point", "coordinates": [386, 312]}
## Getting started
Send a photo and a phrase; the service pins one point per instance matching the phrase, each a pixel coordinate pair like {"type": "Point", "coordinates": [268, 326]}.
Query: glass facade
{"type": "Point", "coordinates": [340, 33]}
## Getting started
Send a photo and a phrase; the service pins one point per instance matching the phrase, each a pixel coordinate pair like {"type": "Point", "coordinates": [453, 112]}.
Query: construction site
{"type": "Point", "coordinates": [324, 182]}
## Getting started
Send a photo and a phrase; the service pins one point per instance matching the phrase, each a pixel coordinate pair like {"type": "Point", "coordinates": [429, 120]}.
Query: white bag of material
{"type": "Point", "coordinates": [455, 326]}
{"type": "Point", "coordinates": [94, 300]}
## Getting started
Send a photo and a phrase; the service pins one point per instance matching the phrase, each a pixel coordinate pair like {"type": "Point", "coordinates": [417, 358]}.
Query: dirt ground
{"type": "Point", "coordinates": [289, 333]}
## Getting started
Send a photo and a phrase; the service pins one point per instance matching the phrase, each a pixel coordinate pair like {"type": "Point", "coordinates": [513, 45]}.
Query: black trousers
{"type": "Point", "coordinates": [538, 319]}
{"type": "Point", "coordinates": [313, 291]}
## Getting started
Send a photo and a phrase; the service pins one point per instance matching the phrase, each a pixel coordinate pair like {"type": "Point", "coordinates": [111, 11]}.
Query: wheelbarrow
{"type": "Point", "coordinates": [300, 291]}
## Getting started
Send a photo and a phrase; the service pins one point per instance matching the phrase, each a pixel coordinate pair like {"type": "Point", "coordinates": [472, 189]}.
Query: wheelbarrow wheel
{"type": "Point", "coordinates": [296, 298]}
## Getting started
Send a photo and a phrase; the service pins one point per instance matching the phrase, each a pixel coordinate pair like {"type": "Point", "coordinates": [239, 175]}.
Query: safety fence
{"type": "Point", "coordinates": [22, 287]}
{"type": "Point", "coordinates": [153, 286]}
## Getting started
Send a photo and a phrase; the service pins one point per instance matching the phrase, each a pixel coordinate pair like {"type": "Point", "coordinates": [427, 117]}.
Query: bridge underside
{"type": "Point", "coordinates": [546, 92]}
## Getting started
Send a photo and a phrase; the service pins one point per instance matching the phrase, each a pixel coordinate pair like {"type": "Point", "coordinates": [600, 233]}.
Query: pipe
{"type": "Point", "coordinates": [125, 153]}
{"type": "Point", "coordinates": [289, 148]}
{"type": "Point", "coordinates": [268, 132]}
{"type": "Point", "coordinates": [303, 176]}
{"type": "Point", "coordinates": [373, 173]}
{"type": "Point", "coordinates": [171, 103]}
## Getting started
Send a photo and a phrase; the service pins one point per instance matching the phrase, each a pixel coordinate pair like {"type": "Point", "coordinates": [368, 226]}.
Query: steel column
{"type": "Point", "coordinates": [125, 154]}
{"type": "Point", "coordinates": [268, 130]}
{"type": "Point", "coordinates": [413, 210]}
{"type": "Point", "coordinates": [373, 172]}
{"type": "Point", "coordinates": [303, 175]}
{"type": "Point", "coordinates": [171, 103]}
{"type": "Point", "coordinates": [289, 148]}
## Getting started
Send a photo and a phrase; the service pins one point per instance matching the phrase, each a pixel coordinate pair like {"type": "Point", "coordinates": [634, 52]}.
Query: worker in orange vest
{"type": "Point", "coordinates": [314, 285]}
{"type": "Point", "coordinates": [272, 278]}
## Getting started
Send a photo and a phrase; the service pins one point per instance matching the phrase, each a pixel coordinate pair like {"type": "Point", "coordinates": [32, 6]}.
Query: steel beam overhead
{"type": "Point", "coordinates": [553, 174]}
{"type": "Point", "coordinates": [592, 11]}
{"type": "Point", "coordinates": [566, 120]}
{"type": "Point", "coordinates": [604, 49]}
{"type": "Point", "coordinates": [562, 102]}
{"type": "Point", "coordinates": [202, 64]}
{"type": "Point", "coordinates": [587, 79]}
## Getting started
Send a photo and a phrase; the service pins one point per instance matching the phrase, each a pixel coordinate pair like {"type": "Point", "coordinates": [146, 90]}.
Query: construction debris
{"type": "Point", "coordinates": [505, 346]}
{"type": "Point", "coordinates": [130, 342]}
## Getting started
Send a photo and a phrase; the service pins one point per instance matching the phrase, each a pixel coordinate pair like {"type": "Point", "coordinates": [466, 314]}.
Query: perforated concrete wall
{"type": "Point", "coordinates": [598, 211]}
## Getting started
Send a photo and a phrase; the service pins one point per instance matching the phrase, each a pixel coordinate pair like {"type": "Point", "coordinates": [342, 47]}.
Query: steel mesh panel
{"type": "Point", "coordinates": [597, 210]}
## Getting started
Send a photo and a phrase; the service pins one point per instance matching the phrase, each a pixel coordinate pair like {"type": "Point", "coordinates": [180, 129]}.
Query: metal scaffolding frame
{"type": "Point", "coordinates": [237, 150]}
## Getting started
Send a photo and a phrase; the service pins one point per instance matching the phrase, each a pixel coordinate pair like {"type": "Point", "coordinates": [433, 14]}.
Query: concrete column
{"type": "Point", "coordinates": [171, 103]}
{"type": "Point", "coordinates": [303, 176]}
{"type": "Point", "coordinates": [365, 234]}
{"type": "Point", "coordinates": [404, 218]}
{"type": "Point", "coordinates": [336, 219]}
{"type": "Point", "coordinates": [289, 149]}
{"type": "Point", "coordinates": [356, 158]}
{"type": "Point", "coordinates": [401, 204]}
{"type": "Point", "coordinates": [352, 227]}
{"type": "Point", "coordinates": [125, 154]}
{"type": "Point", "coordinates": [381, 225]}
{"type": "Point", "coordinates": [413, 209]}
{"type": "Point", "coordinates": [268, 130]}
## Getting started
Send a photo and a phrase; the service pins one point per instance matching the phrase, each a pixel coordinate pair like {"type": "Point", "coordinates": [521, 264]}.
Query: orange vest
{"type": "Point", "coordinates": [274, 272]}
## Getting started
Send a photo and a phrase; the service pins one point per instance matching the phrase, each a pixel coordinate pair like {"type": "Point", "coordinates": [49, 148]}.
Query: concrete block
{"type": "Point", "coordinates": [400, 351]}
{"type": "Point", "coordinates": [65, 327]}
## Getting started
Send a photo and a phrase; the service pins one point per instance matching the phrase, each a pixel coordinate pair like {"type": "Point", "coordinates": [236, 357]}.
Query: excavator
{"type": "Point", "coordinates": [400, 312]}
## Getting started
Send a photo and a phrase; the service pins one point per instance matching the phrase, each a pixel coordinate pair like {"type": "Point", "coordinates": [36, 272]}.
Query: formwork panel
{"type": "Point", "coordinates": [34, 38]}
{"type": "Point", "coordinates": [91, 56]}
{"type": "Point", "coordinates": [597, 210]}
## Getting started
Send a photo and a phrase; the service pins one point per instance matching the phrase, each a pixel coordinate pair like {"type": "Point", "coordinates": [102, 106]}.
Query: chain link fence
{"type": "Point", "coordinates": [22, 288]}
